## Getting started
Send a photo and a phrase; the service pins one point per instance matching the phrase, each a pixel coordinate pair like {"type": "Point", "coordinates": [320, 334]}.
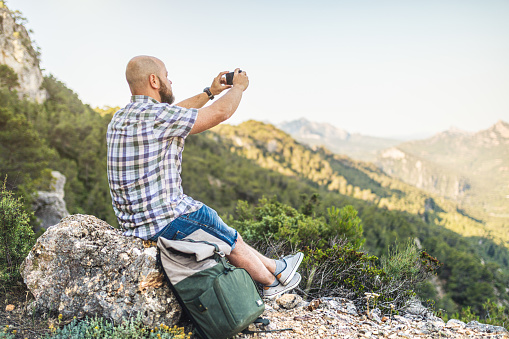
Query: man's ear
{"type": "Point", "coordinates": [154, 81]}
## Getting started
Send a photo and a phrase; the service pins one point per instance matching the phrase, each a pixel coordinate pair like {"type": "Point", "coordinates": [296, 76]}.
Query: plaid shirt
{"type": "Point", "coordinates": [145, 143]}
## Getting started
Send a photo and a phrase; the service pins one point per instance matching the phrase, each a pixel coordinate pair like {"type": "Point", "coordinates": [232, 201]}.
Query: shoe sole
{"type": "Point", "coordinates": [290, 287]}
{"type": "Point", "coordinates": [292, 273]}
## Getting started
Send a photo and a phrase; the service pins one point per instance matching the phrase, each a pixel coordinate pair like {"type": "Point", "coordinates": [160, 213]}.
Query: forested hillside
{"type": "Point", "coordinates": [390, 209]}
{"type": "Point", "coordinates": [275, 150]}
{"type": "Point", "coordinates": [62, 134]}
{"type": "Point", "coordinates": [471, 169]}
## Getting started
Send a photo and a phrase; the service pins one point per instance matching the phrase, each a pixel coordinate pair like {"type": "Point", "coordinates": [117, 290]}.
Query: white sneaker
{"type": "Point", "coordinates": [292, 263]}
{"type": "Point", "coordinates": [272, 292]}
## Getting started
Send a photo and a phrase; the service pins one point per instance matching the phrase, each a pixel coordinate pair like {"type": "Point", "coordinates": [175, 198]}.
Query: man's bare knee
{"type": "Point", "coordinates": [240, 245]}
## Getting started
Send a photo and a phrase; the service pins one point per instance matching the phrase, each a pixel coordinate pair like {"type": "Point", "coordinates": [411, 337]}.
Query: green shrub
{"type": "Point", "coordinates": [466, 315]}
{"type": "Point", "coordinates": [271, 219]}
{"type": "Point", "coordinates": [8, 78]}
{"type": "Point", "coordinates": [16, 237]}
{"type": "Point", "coordinates": [5, 333]}
{"type": "Point", "coordinates": [342, 271]}
{"type": "Point", "coordinates": [339, 270]}
{"type": "Point", "coordinates": [131, 328]}
{"type": "Point", "coordinates": [408, 264]}
{"type": "Point", "coordinates": [344, 222]}
{"type": "Point", "coordinates": [275, 220]}
{"type": "Point", "coordinates": [493, 314]}
{"type": "Point", "coordinates": [333, 265]}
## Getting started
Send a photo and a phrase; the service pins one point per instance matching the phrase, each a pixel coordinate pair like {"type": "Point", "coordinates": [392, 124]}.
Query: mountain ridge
{"type": "Point", "coordinates": [470, 168]}
{"type": "Point", "coordinates": [354, 145]}
{"type": "Point", "coordinates": [496, 134]}
{"type": "Point", "coordinates": [476, 164]}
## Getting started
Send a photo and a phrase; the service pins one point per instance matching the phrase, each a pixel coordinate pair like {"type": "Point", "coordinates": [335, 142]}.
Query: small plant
{"type": "Point", "coordinates": [496, 314]}
{"type": "Point", "coordinates": [16, 237]}
{"type": "Point", "coordinates": [493, 314]}
{"type": "Point", "coordinates": [100, 328]}
{"type": "Point", "coordinates": [340, 271]}
{"type": "Point", "coordinates": [368, 297]}
{"type": "Point", "coordinates": [6, 333]}
{"type": "Point", "coordinates": [409, 266]}
{"type": "Point", "coordinates": [392, 309]}
{"type": "Point", "coordinates": [466, 315]}
{"type": "Point", "coordinates": [344, 222]}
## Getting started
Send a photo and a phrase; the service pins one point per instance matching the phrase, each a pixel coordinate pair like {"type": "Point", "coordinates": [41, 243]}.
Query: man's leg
{"type": "Point", "coordinates": [269, 263]}
{"type": "Point", "coordinates": [284, 268]}
{"type": "Point", "coordinates": [261, 268]}
{"type": "Point", "coordinates": [254, 263]}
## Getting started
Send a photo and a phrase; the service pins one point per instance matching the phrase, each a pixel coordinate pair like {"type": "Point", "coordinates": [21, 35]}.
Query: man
{"type": "Point", "coordinates": [145, 143]}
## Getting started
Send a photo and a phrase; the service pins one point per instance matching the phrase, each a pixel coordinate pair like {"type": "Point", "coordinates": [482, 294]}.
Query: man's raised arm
{"type": "Point", "coordinates": [199, 100]}
{"type": "Point", "coordinates": [224, 107]}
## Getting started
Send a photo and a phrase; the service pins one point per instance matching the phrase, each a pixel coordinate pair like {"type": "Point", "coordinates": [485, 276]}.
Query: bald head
{"type": "Point", "coordinates": [138, 72]}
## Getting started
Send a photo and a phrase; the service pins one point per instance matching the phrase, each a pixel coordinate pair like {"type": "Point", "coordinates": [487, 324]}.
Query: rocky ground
{"type": "Point", "coordinates": [320, 318]}
{"type": "Point", "coordinates": [338, 318]}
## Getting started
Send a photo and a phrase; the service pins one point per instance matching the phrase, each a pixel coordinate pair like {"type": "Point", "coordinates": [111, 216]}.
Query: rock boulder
{"type": "Point", "coordinates": [19, 54]}
{"type": "Point", "coordinates": [49, 206]}
{"type": "Point", "coordinates": [84, 267]}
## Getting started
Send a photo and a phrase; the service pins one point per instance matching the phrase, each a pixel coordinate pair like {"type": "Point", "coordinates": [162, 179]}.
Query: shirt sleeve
{"type": "Point", "coordinates": [175, 121]}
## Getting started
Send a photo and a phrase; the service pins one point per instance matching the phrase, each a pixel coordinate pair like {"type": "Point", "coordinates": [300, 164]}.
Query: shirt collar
{"type": "Point", "coordinates": [144, 99]}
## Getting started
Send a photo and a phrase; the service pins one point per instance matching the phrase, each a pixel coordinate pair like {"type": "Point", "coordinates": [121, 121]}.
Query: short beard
{"type": "Point", "coordinates": [166, 94]}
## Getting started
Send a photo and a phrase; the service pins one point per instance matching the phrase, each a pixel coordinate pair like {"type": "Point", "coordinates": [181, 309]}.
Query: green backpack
{"type": "Point", "coordinates": [220, 299]}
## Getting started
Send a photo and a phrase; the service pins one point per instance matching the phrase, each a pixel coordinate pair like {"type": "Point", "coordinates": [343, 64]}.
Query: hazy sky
{"type": "Point", "coordinates": [382, 68]}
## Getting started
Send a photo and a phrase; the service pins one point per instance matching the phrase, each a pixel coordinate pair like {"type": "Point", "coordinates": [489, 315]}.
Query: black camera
{"type": "Point", "coordinates": [229, 77]}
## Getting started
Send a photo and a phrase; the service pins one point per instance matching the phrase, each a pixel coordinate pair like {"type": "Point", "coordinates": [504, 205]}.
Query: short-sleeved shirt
{"type": "Point", "coordinates": [145, 143]}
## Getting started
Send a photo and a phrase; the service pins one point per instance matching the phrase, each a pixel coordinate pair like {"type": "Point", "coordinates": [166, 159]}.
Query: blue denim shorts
{"type": "Point", "coordinates": [205, 219]}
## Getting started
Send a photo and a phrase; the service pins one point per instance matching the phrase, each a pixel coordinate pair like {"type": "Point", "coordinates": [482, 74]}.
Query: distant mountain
{"type": "Point", "coordinates": [339, 141]}
{"type": "Point", "coordinates": [470, 168]}
{"type": "Point", "coordinates": [313, 130]}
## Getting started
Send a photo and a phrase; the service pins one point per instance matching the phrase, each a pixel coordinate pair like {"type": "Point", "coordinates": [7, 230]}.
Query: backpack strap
{"type": "Point", "coordinates": [204, 242]}
{"type": "Point", "coordinates": [218, 254]}
{"type": "Point", "coordinates": [265, 322]}
{"type": "Point", "coordinates": [246, 331]}
{"type": "Point", "coordinates": [266, 331]}
{"type": "Point", "coordinates": [261, 320]}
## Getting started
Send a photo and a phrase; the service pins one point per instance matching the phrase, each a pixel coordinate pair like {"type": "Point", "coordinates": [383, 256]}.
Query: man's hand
{"type": "Point", "coordinates": [219, 84]}
{"type": "Point", "coordinates": [225, 106]}
{"type": "Point", "coordinates": [240, 79]}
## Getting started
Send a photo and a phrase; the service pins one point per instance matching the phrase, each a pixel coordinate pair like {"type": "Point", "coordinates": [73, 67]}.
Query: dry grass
{"type": "Point", "coordinates": [21, 318]}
